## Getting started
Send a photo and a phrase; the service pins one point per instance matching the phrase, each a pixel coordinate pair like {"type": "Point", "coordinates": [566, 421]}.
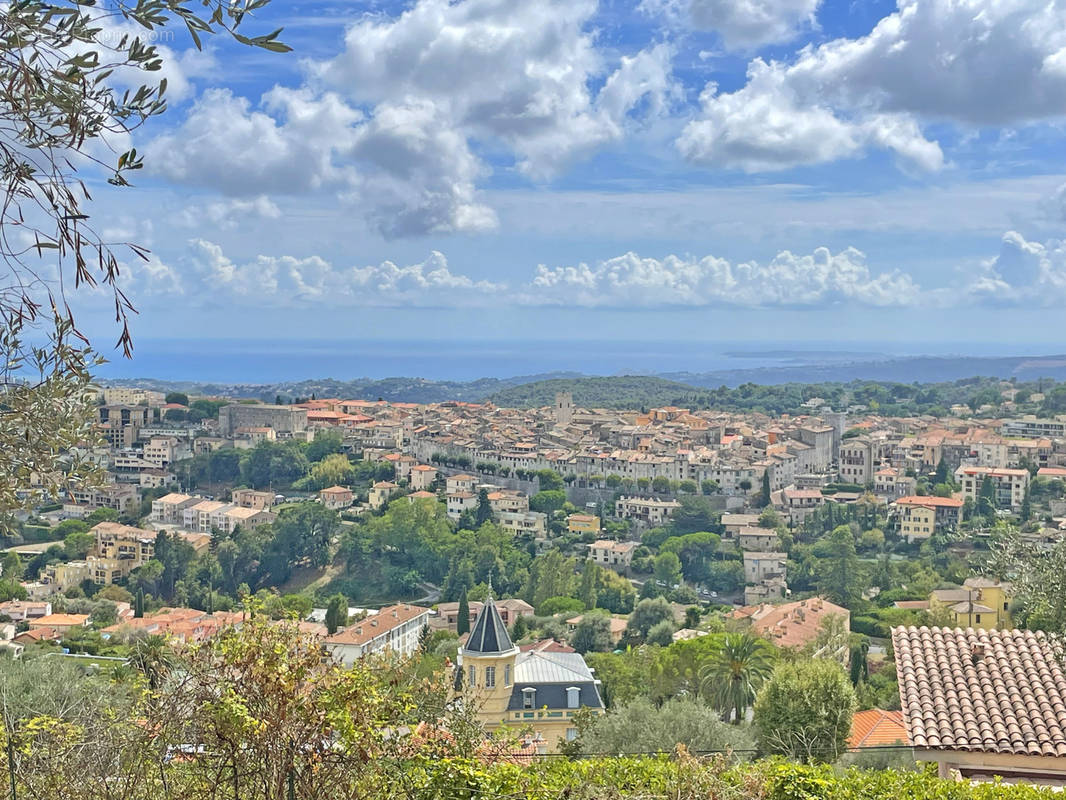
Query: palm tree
{"type": "Point", "coordinates": [734, 672]}
{"type": "Point", "coordinates": [153, 657]}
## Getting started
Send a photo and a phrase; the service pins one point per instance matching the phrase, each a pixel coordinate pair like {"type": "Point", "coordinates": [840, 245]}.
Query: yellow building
{"type": "Point", "coordinates": [917, 522]}
{"type": "Point", "coordinates": [981, 603]}
{"type": "Point", "coordinates": [583, 523]}
{"type": "Point", "coordinates": [533, 690]}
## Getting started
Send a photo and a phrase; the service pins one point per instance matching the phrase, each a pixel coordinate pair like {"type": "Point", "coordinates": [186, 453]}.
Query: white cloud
{"type": "Point", "coordinates": [742, 24]}
{"type": "Point", "coordinates": [407, 100]}
{"type": "Point", "coordinates": [516, 73]}
{"type": "Point", "coordinates": [630, 281]}
{"type": "Point", "coordinates": [228, 212]}
{"type": "Point", "coordinates": [419, 172]}
{"type": "Point", "coordinates": [1023, 273]}
{"type": "Point", "coordinates": [207, 275]}
{"type": "Point", "coordinates": [970, 62]}
{"type": "Point", "coordinates": [225, 144]}
{"type": "Point", "coordinates": [766, 126]}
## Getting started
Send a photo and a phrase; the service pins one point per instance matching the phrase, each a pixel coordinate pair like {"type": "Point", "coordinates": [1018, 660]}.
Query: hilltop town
{"type": "Point", "coordinates": [471, 535]}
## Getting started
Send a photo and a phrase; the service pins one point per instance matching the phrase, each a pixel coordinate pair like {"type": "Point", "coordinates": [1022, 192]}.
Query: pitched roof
{"type": "Point", "coordinates": [986, 691]}
{"type": "Point", "coordinates": [929, 501]}
{"type": "Point", "coordinates": [877, 727]}
{"type": "Point", "coordinates": [489, 634]}
{"type": "Point", "coordinates": [366, 630]}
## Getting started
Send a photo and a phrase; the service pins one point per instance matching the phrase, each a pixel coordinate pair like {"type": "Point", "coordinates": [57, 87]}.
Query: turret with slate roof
{"type": "Point", "coordinates": [535, 688]}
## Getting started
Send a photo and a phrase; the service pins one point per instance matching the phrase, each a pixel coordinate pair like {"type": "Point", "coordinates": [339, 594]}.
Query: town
{"type": "Point", "coordinates": [528, 551]}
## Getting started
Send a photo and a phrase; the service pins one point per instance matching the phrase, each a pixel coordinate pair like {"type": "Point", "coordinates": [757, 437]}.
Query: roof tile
{"type": "Point", "coordinates": [976, 690]}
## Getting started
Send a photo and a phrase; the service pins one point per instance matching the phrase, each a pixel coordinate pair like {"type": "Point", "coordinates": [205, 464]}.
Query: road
{"type": "Point", "coordinates": [32, 549]}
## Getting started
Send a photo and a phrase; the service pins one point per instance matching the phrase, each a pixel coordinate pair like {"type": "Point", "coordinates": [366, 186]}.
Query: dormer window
{"type": "Point", "coordinates": [529, 697]}
{"type": "Point", "coordinates": [573, 696]}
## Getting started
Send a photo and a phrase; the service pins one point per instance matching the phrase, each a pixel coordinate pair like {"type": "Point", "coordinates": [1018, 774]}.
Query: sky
{"type": "Point", "coordinates": [697, 170]}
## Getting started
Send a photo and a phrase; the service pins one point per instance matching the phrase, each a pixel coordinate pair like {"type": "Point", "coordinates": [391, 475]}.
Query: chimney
{"type": "Point", "coordinates": [977, 652]}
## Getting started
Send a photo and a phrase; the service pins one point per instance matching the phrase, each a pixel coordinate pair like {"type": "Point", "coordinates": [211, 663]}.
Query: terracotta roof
{"type": "Point", "coordinates": [877, 727]}
{"type": "Point", "coordinates": [790, 624]}
{"type": "Point", "coordinates": [364, 631]}
{"type": "Point", "coordinates": [986, 691]}
{"type": "Point", "coordinates": [929, 500]}
{"type": "Point", "coordinates": [60, 621]}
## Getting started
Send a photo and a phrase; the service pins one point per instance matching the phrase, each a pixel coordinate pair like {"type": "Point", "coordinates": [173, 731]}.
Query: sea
{"type": "Point", "coordinates": [277, 360]}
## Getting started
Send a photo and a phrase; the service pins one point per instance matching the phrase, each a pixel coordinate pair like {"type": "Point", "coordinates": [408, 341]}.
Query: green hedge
{"type": "Point", "coordinates": [689, 778]}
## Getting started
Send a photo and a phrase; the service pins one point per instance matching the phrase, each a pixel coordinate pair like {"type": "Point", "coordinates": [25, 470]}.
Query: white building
{"type": "Point", "coordinates": [393, 630]}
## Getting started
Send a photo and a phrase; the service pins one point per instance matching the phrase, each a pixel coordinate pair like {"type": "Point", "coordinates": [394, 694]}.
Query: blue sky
{"type": "Point", "coordinates": [662, 169]}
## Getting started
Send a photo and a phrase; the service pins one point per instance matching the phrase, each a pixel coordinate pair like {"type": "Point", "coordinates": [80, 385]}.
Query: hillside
{"type": "Point", "coordinates": [626, 391]}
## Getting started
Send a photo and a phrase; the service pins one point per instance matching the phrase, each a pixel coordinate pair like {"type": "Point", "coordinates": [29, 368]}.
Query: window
{"type": "Point", "coordinates": [473, 675]}
{"type": "Point", "coordinates": [507, 675]}
{"type": "Point", "coordinates": [978, 616]}
{"type": "Point", "coordinates": [1006, 605]}
{"type": "Point", "coordinates": [529, 697]}
{"type": "Point", "coordinates": [490, 677]}
{"type": "Point", "coordinates": [571, 734]}
{"type": "Point", "coordinates": [572, 696]}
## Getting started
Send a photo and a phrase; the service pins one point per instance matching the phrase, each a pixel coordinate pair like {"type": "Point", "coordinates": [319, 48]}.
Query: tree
{"type": "Point", "coordinates": [640, 726]}
{"type": "Point", "coordinates": [177, 397]}
{"type": "Point", "coordinates": [986, 498]}
{"type": "Point", "coordinates": [336, 613]}
{"type": "Point", "coordinates": [152, 657]}
{"type": "Point", "coordinates": [709, 486]}
{"type": "Point", "coordinates": [77, 545]}
{"type": "Point", "coordinates": [483, 512]}
{"type": "Point", "coordinates": [942, 474]}
{"type": "Point", "coordinates": [661, 633]}
{"type": "Point", "coordinates": [324, 444]}
{"type": "Point", "coordinates": [547, 502]}
{"type": "Point", "coordinates": [732, 676]}
{"type": "Point", "coordinates": [11, 567]}
{"type": "Point", "coordinates": [804, 711]}
{"type": "Point", "coordinates": [1027, 506]}
{"type": "Point", "coordinates": [462, 624]}
{"type": "Point", "coordinates": [333, 470]}
{"type": "Point", "coordinates": [667, 569]}
{"type": "Point", "coordinates": [305, 531]}
{"type": "Point", "coordinates": [138, 606]}
{"type": "Point", "coordinates": [764, 494]}
{"type": "Point", "coordinates": [60, 114]}
{"type": "Point", "coordinates": [648, 613]}
{"type": "Point", "coordinates": [838, 571]}
{"type": "Point", "coordinates": [593, 634]}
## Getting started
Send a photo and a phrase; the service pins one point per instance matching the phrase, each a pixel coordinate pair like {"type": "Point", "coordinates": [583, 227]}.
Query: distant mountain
{"type": "Point", "coordinates": [916, 369]}
{"type": "Point", "coordinates": [394, 390]}
{"type": "Point", "coordinates": [630, 391]}
{"type": "Point", "coordinates": [623, 391]}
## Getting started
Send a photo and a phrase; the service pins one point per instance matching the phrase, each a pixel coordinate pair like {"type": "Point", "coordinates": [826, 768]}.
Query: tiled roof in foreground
{"type": "Point", "coordinates": [983, 691]}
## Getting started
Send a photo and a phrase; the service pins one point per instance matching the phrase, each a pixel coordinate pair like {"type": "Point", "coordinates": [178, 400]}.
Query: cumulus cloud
{"type": "Point", "coordinates": [766, 126]}
{"type": "Point", "coordinates": [974, 62]}
{"type": "Point", "coordinates": [630, 281]}
{"type": "Point", "coordinates": [206, 274]}
{"type": "Point", "coordinates": [225, 144]}
{"type": "Point", "coordinates": [1023, 272]}
{"type": "Point", "coordinates": [516, 73]}
{"type": "Point", "coordinates": [392, 124]}
{"type": "Point", "coordinates": [420, 173]}
{"type": "Point", "coordinates": [742, 24]}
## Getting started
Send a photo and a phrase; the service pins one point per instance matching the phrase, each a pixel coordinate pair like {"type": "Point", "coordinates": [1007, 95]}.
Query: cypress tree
{"type": "Point", "coordinates": [462, 625]}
